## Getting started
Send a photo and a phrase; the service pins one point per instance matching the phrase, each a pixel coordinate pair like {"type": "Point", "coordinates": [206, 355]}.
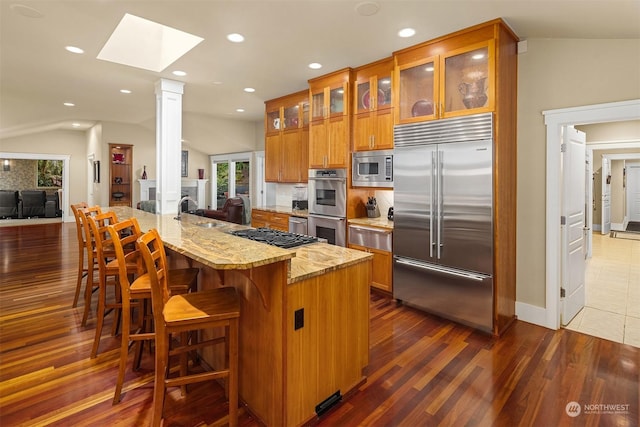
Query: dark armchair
{"type": "Point", "coordinates": [232, 211]}
{"type": "Point", "coordinates": [8, 204]}
{"type": "Point", "coordinates": [33, 203]}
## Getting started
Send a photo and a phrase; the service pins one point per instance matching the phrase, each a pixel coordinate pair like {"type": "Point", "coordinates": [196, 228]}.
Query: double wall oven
{"type": "Point", "coordinates": [328, 205]}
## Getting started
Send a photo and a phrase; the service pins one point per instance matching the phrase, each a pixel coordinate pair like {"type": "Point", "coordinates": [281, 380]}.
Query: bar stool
{"type": "Point", "coordinates": [180, 314]}
{"type": "Point", "coordinates": [82, 247]}
{"type": "Point", "coordinates": [125, 234]}
{"type": "Point", "coordinates": [92, 260]}
{"type": "Point", "coordinates": [108, 268]}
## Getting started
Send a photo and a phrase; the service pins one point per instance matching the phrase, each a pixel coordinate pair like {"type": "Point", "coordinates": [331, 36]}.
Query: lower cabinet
{"type": "Point", "coordinates": [377, 241]}
{"type": "Point", "coordinates": [277, 221]}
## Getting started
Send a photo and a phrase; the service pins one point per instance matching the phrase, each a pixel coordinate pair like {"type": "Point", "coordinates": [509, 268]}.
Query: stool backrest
{"type": "Point", "coordinates": [155, 261]}
{"type": "Point", "coordinates": [77, 215]}
{"type": "Point", "coordinates": [99, 226]}
{"type": "Point", "coordinates": [124, 236]}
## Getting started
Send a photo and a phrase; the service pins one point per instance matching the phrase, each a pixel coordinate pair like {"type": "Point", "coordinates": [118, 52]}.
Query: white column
{"type": "Point", "coordinates": [168, 145]}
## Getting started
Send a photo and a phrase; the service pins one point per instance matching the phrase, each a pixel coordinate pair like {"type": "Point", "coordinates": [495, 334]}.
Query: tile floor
{"type": "Point", "coordinates": [612, 309]}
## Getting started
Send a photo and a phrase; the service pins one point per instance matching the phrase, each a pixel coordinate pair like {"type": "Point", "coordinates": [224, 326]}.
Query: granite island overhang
{"type": "Point", "coordinates": [304, 324]}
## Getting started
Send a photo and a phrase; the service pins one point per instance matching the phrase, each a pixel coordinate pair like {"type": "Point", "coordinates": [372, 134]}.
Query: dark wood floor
{"type": "Point", "coordinates": [423, 371]}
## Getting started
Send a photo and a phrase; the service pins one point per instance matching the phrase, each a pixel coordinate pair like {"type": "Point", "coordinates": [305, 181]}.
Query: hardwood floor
{"type": "Point", "coordinates": [423, 371]}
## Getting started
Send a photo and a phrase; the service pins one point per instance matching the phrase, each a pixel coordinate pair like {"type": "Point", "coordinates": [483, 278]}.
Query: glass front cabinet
{"type": "Point", "coordinates": [452, 83]}
{"type": "Point", "coordinates": [287, 138]}
{"type": "Point", "coordinates": [373, 118]}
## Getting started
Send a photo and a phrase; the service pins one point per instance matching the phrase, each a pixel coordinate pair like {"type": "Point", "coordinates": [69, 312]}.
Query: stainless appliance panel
{"type": "Point", "coordinates": [465, 205]}
{"type": "Point", "coordinates": [334, 229]}
{"type": "Point", "coordinates": [413, 215]}
{"type": "Point", "coordinates": [372, 169]}
{"type": "Point", "coordinates": [370, 237]}
{"type": "Point", "coordinates": [297, 225]}
{"type": "Point", "coordinates": [453, 294]}
{"type": "Point", "coordinates": [328, 192]}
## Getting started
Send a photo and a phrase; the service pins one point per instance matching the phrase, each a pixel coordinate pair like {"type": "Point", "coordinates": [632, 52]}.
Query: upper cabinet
{"type": "Point", "coordinates": [287, 138]}
{"type": "Point", "coordinates": [120, 174]}
{"type": "Point", "coordinates": [373, 108]}
{"type": "Point", "coordinates": [451, 76]}
{"type": "Point", "coordinates": [330, 121]}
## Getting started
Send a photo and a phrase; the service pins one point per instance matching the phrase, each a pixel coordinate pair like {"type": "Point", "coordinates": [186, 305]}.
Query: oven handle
{"type": "Point", "coordinates": [327, 179]}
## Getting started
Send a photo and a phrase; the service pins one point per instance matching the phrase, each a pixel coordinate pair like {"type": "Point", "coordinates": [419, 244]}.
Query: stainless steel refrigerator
{"type": "Point", "coordinates": [443, 218]}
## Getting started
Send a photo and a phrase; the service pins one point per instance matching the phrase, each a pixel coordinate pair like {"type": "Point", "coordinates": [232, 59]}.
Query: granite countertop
{"type": "Point", "coordinates": [283, 210]}
{"type": "Point", "coordinates": [218, 249]}
{"type": "Point", "coordinates": [380, 222]}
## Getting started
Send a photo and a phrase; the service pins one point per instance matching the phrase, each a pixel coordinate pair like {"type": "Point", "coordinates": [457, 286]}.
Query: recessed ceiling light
{"type": "Point", "coordinates": [69, 104]}
{"type": "Point", "coordinates": [315, 66]}
{"type": "Point", "coordinates": [125, 91]}
{"type": "Point", "coordinates": [235, 37]}
{"type": "Point", "coordinates": [74, 49]}
{"type": "Point", "coordinates": [179, 73]}
{"type": "Point", "coordinates": [26, 11]}
{"type": "Point", "coordinates": [367, 8]}
{"type": "Point", "coordinates": [249, 89]}
{"type": "Point", "coordinates": [240, 110]}
{"type": "Point", "coordinates": [407, 32]}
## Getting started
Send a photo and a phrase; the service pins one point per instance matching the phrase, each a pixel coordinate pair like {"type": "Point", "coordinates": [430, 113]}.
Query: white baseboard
{"type": "Point", "coordinates": [597, 227]}
{"type": "Point", "coordinates": [616, 226]}
{"type": "Point", "coordinates": [532, 314]}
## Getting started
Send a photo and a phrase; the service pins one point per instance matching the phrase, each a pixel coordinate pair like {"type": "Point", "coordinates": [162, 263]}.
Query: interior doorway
{"type": "Point", "coordinates": [555, 120]}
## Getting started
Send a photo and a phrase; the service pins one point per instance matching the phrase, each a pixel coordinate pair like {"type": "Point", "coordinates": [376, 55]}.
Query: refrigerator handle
{"type": "Point", "coordinates": [432, 212]}
{"type": "Point", "coordinates": [440, 269]}
{"type": "Point", "coordinates": [440, 203]}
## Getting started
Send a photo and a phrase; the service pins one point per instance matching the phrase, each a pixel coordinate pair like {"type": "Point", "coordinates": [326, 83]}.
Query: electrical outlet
{"type": "Point", "coordinates": [298, 319]}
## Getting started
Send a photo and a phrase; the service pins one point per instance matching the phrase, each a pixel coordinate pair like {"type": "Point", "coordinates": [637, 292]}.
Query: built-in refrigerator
{"type": "Point", "coordinates": [443, 218]}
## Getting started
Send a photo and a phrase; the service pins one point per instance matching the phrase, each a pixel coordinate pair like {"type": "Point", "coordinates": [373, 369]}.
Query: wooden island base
{"type": "Point", "coordinates": [301, 342]}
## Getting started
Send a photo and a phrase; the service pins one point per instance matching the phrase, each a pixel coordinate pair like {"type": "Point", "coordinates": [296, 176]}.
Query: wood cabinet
{"type": "Point", "coordinates": [120, 175]}
{"type": "Point", "coordinates": [453, 75]}
{"type": "Point", "coordinates": [275, 220]}
{"type": "Point", "coordinates": [329, 128]}
{"type": "Point", "coordinates": [372, 106]}
{"type": "Point", "coordinates": [377, 241]}
{"type": "Point", "coordinates": [287, 138]}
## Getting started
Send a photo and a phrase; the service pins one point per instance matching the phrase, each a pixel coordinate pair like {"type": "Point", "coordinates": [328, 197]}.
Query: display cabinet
{"type": "Point", "coordinates": [120, 175]}
{"type": "Point", "coordinates": [373, 109]}
{"type": "Point", "coordinates": [447, 77]}
{"type": "Point", "coordinates": [329, 128]}
{"type": "Point", "coordinates": [287, 138]}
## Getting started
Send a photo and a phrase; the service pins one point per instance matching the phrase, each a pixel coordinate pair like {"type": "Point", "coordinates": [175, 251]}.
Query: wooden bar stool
{"type": "Point", "coordinates": [92, 260]}
{"type": "Point", "coordinates": [82, 248]}
{"type": "Point", "coordinates": [181, 314]}
{"type": "Point", "coordinates": [125, 234]}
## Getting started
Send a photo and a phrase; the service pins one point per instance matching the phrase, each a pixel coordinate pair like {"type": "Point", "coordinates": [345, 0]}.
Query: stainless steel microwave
{"type": "Point", "coordinates": [372, 169]}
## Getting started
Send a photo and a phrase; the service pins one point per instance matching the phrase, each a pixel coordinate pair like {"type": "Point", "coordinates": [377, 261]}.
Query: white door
{"type": "Point", "coordinates": [588, 203]}
{"type": "Point", "coordinates": [573, 223]}
{"type": "Point", "coordinates": [633, 191]}
{"type": "Point", "coordinates": [606, 196]}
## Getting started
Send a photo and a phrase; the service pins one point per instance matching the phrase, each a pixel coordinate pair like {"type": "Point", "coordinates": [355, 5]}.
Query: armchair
{"type": "Point", "coordinates": [33, 203]}
{"type": "Point", "coordinates": [8, 204]}
{"type": "Point", "coordinates": [232, 211]}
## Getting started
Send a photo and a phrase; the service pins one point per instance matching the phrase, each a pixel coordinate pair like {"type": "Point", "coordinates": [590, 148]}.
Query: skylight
{"type": "Point", "coordinates": [140, 43]}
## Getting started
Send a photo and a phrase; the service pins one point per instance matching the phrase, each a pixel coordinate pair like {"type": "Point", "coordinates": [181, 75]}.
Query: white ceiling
{"type": "Point", "coordinates": [282, 37]}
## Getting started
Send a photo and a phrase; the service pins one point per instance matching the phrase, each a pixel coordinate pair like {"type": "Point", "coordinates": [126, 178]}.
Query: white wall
{"type": "Point", "coordinates": [556, 74]}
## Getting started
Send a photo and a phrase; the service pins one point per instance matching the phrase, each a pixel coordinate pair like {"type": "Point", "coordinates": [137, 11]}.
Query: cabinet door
{"type": "Point", "coordinates": [467, 86]}
{"type": "Point", "coordinates": [291, 154]}
{"type": "Point", "coordinates": [338, 143]}
{"type": "Point", "coordinates": [417, 93]}
{"type": "Point", "coordinates": [381, 277]}
{"type": "Point", "coordinates": [383, 130]}
{"type": "Point", "coordinates": [272, 122]}
{"type": "Point", "coordinates": [318, 105]}
{"type": "Point", "coordinates": [273, 157]}
{"type": "Point", "coordinates": [362, 131]}
{"type": "Point", "coordinates": [317, 144]}
{"type": "Point", "coordinates": [383, 98]}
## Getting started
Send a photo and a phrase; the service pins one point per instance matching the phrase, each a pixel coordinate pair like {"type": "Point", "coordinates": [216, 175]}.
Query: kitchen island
{"type": "Point", "coordinates": [304, 324]}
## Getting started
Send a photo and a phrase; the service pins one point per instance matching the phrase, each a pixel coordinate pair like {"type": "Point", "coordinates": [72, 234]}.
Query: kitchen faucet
{"type": "Point", "coordinates": [185, 198]}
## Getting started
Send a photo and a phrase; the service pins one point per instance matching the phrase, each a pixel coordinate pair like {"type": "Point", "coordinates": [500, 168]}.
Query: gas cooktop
{"type": "Point", "coordinates": [272, 237]}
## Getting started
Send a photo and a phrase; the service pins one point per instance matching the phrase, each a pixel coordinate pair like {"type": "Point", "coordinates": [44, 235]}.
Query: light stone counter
{"type": "Point", "coordinates": [287, 210]}
{"type": "Point", "coordinates": [380, 222]}
{"type": "Point", "coordinates": [218, 249]}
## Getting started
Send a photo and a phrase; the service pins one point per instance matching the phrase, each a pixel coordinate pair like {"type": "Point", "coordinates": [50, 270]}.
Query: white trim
{"type": "Point", "coordinates": [554, 120]}
{"type": "Point", "coordinates": [66, 158]}
{"type": "Point", "coordinates": [531, 313]}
